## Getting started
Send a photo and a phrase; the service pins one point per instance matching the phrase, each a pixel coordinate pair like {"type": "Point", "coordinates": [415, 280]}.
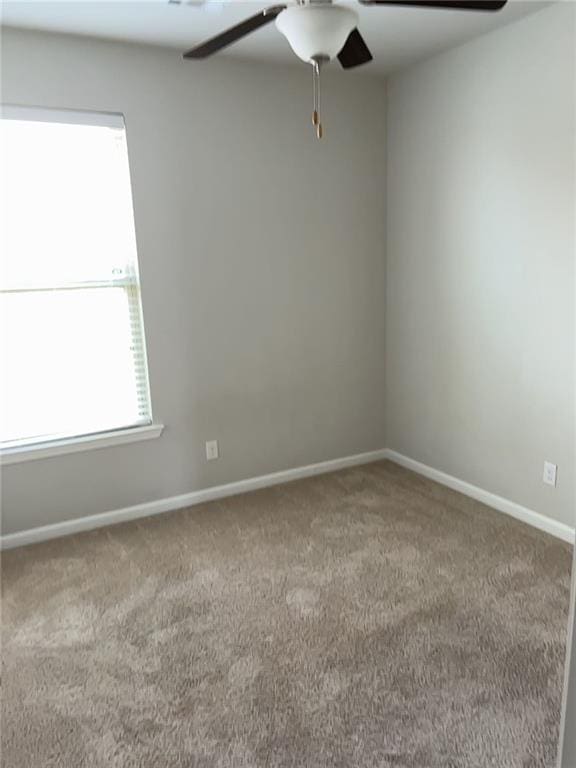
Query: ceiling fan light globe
{"type": "Point", "coordinates": [315, 31]}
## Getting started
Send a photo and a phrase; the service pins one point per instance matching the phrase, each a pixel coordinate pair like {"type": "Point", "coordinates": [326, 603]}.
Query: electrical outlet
{"type": "Point", "coordinates": [211, 450]}
{"type": "Point", "coordinates": [549, 476]}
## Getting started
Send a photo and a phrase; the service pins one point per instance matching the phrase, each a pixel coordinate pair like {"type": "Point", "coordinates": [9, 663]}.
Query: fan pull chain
{"type": "Point", "coordinates": [316, 94]}
{"type": "Point", "coordinates": [314, 109]}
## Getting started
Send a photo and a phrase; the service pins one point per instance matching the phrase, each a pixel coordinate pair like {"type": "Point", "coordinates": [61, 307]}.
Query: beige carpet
{"type": "Point", "coordinates": [366, 618]}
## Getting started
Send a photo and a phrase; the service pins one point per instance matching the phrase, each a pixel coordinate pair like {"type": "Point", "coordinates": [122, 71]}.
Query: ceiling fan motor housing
{"type": "Point", "coordinates": [317, 31]}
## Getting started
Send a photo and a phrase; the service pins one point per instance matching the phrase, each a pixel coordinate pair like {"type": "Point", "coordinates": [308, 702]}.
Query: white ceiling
{"type": "Point", "coordinates": [396, 36]}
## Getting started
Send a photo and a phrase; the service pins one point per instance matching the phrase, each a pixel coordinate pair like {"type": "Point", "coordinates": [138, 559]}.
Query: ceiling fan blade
{"type": "Point", "coordinates": [233, 34]}
{"type": "Point", "coordinates": [455, 5]}
{"type": "Point", "coordinates": [355, 51]}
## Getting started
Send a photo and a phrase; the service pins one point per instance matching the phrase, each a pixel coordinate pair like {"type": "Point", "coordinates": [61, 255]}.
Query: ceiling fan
{"type": "Point", "coordinates": [319, 31]}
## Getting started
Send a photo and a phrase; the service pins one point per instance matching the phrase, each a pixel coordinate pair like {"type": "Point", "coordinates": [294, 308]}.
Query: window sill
{"type": "Point", "coordinates": [75, 444]}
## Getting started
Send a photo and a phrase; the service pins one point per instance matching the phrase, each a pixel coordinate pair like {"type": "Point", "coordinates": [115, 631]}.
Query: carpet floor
{"type": "Point", "coordinates": [367, 618]}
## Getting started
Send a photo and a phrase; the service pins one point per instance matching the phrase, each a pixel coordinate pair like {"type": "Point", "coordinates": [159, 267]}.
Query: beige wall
{"type": "Point", "coordinates": [262, 262]}
{"type": "Point", "coordinates": [480, 246]}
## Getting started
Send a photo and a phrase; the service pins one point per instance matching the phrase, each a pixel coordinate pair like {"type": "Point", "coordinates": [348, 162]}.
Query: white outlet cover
{"type": "Point", "coordinates": [549, 476]}
{"type": "Point", "coordinates": [211, 450]}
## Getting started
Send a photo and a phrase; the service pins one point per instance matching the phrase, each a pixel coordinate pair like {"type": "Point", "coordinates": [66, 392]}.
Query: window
{"type": "Point", "coordinates": [72, 340]}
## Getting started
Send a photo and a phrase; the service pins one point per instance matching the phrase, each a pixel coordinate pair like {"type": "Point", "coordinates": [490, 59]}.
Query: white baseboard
{"type": "Point", "coordinates": [45, 532]}
{"type": "Point", "coordinates": [535, 519]}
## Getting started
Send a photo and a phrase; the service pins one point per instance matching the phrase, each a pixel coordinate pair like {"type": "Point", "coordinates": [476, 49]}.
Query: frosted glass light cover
{"type": "Point", "coordinates": [317, 30]}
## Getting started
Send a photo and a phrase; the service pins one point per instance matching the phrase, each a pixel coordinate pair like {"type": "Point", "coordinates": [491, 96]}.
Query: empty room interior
{"type": "Point", "coordinates": [288, 408]}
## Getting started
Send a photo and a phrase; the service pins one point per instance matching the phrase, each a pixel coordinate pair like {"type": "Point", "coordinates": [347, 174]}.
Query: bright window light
{"type": "Point", "coordinates": [72, 351]}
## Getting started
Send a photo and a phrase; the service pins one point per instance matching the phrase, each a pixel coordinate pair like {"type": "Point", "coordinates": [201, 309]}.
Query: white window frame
{"type": "Point", "coordinates": [32, 450]}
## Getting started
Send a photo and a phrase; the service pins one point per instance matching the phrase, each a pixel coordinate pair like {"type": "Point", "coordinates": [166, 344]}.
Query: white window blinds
{"type": "Point", "coordinates": [72, 339]}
